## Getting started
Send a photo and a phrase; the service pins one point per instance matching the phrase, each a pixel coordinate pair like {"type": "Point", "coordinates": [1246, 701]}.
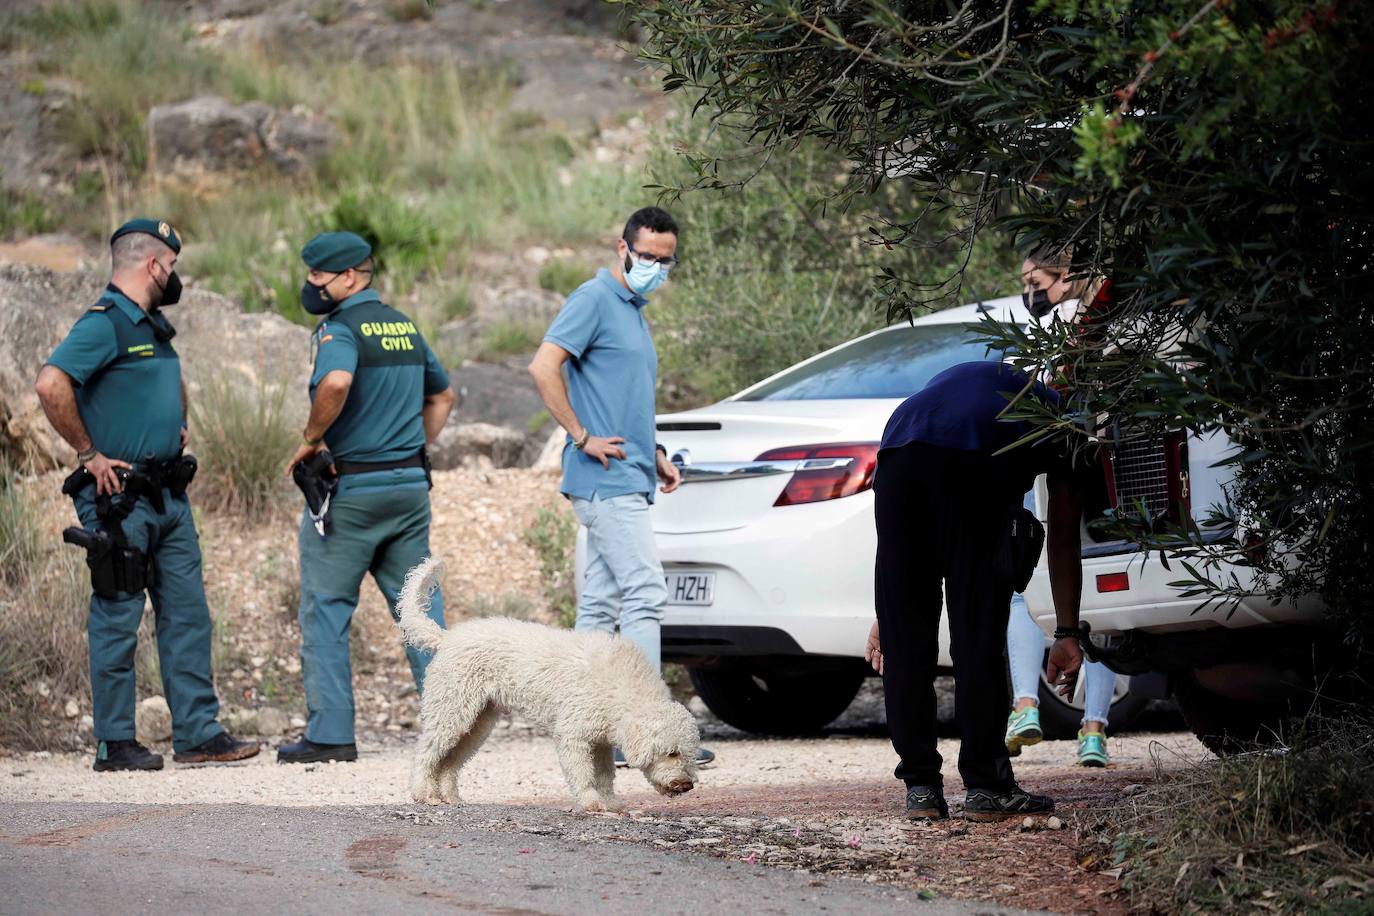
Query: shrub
{"type": "Point", "coordinates": [553, 537]}
{"type": "Point", "coordinates": [1290, 830]}
{"type": "Point", "coordinates": [562, 275]}
{"type": "Point", "coordinates": [242, 436]}
{"type": "Point", "coordinates": [23, 214]}
{"type": "Point", "coordinates": [410, 10]}
{"type": "Point", "coordinates": [509, 337]}
{"type": "Point", "coordinates": [767, 279]}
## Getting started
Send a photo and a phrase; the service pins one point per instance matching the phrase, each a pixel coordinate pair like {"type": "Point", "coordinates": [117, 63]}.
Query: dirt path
{"type": "Point", "coordinates": [823, 807]}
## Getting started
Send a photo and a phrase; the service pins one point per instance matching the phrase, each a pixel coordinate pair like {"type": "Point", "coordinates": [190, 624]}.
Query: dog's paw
{"type": "Point", "coordinates": [591, 801]}
{"type": "Point", "coordinates": [428, 794]}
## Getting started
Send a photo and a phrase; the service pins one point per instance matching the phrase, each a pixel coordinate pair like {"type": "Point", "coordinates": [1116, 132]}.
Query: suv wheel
{"type": "Point", "coordinates": [766, 700]}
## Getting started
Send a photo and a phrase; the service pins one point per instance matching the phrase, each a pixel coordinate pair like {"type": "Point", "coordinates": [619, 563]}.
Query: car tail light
{"type": "Point", "coordinates": [1113, 582]}
{"type": "Point", "coordinates": [826, 471]}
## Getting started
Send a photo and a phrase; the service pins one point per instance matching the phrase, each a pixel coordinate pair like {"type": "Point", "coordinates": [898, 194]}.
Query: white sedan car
{"type": "Point", "coordinates": [768, 546]}
{"type": "Point", "coordinates": [768, 551]}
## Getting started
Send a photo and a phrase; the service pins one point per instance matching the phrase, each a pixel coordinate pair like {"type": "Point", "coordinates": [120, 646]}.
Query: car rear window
{"type": "Point", "coordinates": [895, 364]}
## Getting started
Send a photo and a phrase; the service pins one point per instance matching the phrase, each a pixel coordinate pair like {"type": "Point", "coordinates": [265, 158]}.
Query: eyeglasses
{"type": "Point", "coordinates": [667, 263]}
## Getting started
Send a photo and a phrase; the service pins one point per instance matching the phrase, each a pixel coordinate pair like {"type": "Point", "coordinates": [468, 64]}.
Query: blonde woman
{"type": "Point", "coordinates": [1051, 292]}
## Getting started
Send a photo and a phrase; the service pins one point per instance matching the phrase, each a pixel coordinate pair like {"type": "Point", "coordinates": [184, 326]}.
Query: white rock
{"type": "Point", "coordinates": [297, 722]}
{"type": "Point", "coordinates": [71, 710]}
{"type": "Point", "coordinates": [1054, 823]}
{"type": "Point", "coordinates": [153, 720]}
{"type": "Point", "coordinates": [272, 721]}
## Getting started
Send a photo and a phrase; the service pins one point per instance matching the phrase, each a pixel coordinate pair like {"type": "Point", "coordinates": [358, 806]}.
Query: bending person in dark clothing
{"type": "Point", "coordinates": [942, 499]}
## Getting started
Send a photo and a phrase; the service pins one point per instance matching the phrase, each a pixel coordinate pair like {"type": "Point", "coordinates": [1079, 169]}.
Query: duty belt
{"type": "Point", "coordinates": [419, 460]}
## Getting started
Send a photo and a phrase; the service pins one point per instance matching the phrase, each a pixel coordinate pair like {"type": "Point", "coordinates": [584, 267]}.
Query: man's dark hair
{"type": "Point", "coordinates": [655, 219]}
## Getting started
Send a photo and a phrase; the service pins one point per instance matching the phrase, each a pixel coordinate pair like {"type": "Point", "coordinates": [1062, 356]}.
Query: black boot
{"type": "Point", "coordinates": [223, 748]}
{"type": "Point", "coordinates": [125, 755]}
{"type": "Point", "coordinates": [926, 802]}
{"type": "Point", "coordinates": [307, 751]}
{"type": "Point", "coordinates": [987, 805]}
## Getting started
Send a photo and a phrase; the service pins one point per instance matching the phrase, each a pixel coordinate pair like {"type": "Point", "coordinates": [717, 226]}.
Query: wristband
{"type": "Point", "coordinates": [580, 444]}
{"type": "Point", "coordinates": [311, 442]}
{"type": "Point", "coordinates": [1069, 632]}
{"type": "Point", "coordinates": [87, 455]}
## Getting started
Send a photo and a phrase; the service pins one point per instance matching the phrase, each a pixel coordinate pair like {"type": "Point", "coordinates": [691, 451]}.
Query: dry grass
{"type": "Point", "coordinates": [244, 435]}
{"type": "Point", "coordinates": [1277, 830]}
{"type": "Point", "coordinates": [44, 597]}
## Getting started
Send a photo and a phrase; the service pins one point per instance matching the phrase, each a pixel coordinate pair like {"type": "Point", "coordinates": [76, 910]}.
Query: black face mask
{"type": "Point", "coordinates": [316, 300]}
{"type": "Point", "coordinates": [169, 293]}
{"type": "Point", "coordinates": [1038, 304]}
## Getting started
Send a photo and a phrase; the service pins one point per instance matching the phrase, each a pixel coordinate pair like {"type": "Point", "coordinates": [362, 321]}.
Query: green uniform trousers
{"type": "Point", "coordinates": [380, 525]}
{"type": "Point", "coordinates": [183, 627]}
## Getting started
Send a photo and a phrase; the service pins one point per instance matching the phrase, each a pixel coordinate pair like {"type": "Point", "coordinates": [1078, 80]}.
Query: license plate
{"type": "Point", "coordinates": [691, 588]}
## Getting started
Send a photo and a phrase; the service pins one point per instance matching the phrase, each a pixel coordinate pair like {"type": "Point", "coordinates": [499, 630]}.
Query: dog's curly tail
{"type": "Point", "coordinates": [413, 605]}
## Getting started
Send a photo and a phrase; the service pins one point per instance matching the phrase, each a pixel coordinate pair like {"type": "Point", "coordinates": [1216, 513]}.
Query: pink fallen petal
{"type": "Point", "coordinates": [751, 858]}
{"type": "Point", "coordinates": [526, 851]}
{"type": "Point", "coordinates": [854, 841]}
{"type": "Point", "coordinates": [796, 834]}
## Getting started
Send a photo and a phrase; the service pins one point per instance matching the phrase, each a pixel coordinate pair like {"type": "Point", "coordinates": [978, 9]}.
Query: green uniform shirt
{"type": "Point", "coordinates": [128, 382]}
{"type": "Point", "coordinates": [393, 371]}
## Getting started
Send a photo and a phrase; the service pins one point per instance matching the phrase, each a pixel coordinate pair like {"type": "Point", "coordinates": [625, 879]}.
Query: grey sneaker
{"type": "Point", "coordinates": [987, 805]}
{"type": "Point", "coordinates": [926, 802]}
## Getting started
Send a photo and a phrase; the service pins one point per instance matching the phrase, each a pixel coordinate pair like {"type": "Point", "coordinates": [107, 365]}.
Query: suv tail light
{"type": "Point", "coordinates": [826, 471]}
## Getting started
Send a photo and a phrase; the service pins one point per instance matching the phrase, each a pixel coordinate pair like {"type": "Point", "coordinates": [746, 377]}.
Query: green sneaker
{"type": "Point", "coordinates": [1092, 749]}
{"type": "Point", "coordinates": [1023, 730]}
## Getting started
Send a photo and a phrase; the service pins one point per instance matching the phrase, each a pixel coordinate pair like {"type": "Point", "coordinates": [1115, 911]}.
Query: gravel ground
{"type": "Point", "coordinates": [517, 767]}
{"type": "Point", "coordinates": [825, 807]}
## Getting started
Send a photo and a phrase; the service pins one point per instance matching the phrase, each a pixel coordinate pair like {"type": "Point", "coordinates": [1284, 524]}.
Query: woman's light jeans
{"type": "Point", "coordinates": [1026, 653]}
{"type": "Point", "coordinates": [623, 583]}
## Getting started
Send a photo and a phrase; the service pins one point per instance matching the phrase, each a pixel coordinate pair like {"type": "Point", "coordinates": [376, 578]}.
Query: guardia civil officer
{"type": "Point", "coordinates": [944, 493]}
{"type": "Point", "coordinates": [378, 394]}
{"type": "Point", "coordinates": [113, 390]}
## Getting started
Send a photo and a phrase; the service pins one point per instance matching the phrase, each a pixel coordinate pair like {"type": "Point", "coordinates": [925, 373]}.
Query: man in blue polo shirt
{"type": "Point", "coordinates": [611, 462]}
{"type": "Point", "coordinates": [378, 395]}
{"type": "Point", "coordinates": [113, 390]}
{"type": "Point", "coordinates": [950, 476]}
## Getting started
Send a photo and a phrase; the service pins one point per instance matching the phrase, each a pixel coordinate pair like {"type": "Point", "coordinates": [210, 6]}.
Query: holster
{"type": "Point", "coordinates": [318, 484]}
{"type": "Point", "coordinates": [178, 473]}
{"type": "Point", "coordinates": [115, 566]}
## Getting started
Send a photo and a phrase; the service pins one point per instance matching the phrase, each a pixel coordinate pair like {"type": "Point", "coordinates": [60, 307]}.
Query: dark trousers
{"type": "Point", "coordinates": [935, 510]}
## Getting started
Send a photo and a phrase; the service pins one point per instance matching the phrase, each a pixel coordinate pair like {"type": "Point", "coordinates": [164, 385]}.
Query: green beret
{"type": "Point", "coordinates": [158, 229]}
{"type": "Point", "coordinates": [335, 251]}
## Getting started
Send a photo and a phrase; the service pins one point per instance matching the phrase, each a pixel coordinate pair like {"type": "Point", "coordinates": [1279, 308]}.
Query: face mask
{"type": "Point", "coordinates": [170, 292]}
{"type": "Point", "coordinates": [316, 299]}
{"type": "Point", "coordinates": [643, 278]}
{"type": "Point", "coordinates": [1038, 304]}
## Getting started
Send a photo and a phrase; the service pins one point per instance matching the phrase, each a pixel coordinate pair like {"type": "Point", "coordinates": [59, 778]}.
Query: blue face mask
{"type": "Point", "coordinates": [643, 278]}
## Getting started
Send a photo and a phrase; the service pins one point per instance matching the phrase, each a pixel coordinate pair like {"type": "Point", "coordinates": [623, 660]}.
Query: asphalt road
{"type": "Point", "coordinates": [66, 857]}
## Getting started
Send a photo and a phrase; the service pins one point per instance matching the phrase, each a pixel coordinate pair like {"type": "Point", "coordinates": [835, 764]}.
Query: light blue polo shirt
{"type": "Point", "coordinates": [612, 378]}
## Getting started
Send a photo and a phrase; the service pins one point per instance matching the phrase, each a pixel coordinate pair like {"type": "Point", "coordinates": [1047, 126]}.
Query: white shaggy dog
{"type": "Point", "coordinates": [588, 690]}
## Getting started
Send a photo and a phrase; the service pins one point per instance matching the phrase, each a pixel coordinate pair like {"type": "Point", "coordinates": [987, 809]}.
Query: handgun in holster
{"type": "Point", "coordinates": [318, 483]}
{"type": "Point", "coordinates": [115, 566]}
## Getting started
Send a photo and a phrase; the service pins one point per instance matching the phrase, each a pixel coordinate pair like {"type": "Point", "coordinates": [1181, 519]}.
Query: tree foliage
{"type": "Point", "coordinates": [1212, 159]}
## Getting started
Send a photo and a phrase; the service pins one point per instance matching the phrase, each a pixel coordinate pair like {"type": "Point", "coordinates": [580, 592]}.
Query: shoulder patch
{"type": "Point", "coordinates": [100, 307]}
